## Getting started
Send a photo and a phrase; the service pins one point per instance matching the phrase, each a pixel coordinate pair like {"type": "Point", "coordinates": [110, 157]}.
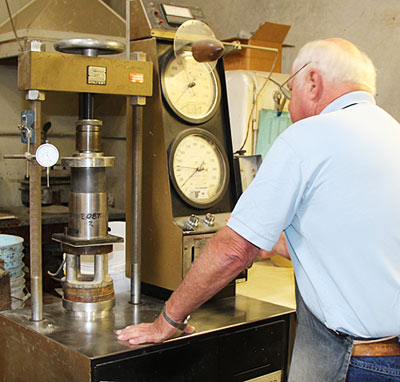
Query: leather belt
{"type": "Point", "coordinates": [384, 348]}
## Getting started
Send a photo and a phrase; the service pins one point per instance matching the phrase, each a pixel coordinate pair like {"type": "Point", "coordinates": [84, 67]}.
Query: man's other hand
{"type": "Point", "coordinates": [280, 248]}
{"type": "Point", "coordinates": [156, 332]}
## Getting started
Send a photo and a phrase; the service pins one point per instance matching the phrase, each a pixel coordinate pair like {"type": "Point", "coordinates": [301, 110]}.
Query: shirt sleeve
{"type": "Point", "coordinates": [268, 206]}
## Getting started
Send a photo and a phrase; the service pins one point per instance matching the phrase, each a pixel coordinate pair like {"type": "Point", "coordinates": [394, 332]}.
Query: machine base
{"type": "Point", "coordinates": [237, 339]}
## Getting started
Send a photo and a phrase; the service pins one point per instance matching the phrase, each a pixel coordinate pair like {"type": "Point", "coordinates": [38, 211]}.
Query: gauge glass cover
{"type": "Point", "coordinates": [190, 89]}
{"type": "Point", "coordinates": [198, 169]}
{"type": "Point", "coordinates": [47, 155]}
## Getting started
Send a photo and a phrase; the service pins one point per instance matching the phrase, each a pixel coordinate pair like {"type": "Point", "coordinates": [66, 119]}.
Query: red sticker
{"type": "Point", "coordinates": [136, 77]}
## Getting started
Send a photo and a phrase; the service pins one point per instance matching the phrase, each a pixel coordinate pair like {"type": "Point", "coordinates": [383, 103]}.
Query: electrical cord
{"type": "Point", "coordinates": [256, 101]}
{"type": "Point", "coordinates": [54, 275]}
{"type": "Point", "coordinates": [13, 26]}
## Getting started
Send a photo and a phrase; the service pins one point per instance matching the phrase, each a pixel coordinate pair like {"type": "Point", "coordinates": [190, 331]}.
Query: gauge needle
{"type": "Point", "coordinates": [197, 169]}
{"type": "Point", "coordinates": [189, 86]}
{"type": "Point", "coordinates": [193, 168]}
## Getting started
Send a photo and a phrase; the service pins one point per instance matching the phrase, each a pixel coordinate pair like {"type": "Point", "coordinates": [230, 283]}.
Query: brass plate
{"type": "Point", "coordinates": [168, 35]}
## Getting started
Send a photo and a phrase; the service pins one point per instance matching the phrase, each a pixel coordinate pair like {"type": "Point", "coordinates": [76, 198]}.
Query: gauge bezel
{"type": "Point", "coordinates": [223, 160]}
{"type": "Point", "coordinates": [164, 62]}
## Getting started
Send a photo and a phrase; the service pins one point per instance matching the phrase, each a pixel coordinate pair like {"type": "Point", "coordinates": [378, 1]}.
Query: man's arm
{"type": "Point", "coordinates": [224, 257]}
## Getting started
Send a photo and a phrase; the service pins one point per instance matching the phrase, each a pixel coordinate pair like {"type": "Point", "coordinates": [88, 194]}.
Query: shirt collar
{"type": "Point", "coordinates": [349, 99]}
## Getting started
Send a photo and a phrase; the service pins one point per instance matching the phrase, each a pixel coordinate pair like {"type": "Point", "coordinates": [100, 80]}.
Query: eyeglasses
{"type": "Point", "coordinates": [285, 91]}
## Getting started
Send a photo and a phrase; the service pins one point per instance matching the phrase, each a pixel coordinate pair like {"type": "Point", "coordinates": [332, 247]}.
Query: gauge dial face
{"type": "Point", "coordinates": [191, 89]}
{"type": "Point", "coordinates": [47, 155]}
{"type": "Point", "coordinates": [198, 168]}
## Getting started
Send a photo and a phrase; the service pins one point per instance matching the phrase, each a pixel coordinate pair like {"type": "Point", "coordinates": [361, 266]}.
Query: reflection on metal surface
{"type": "Point", "coordinates": [95, 336]}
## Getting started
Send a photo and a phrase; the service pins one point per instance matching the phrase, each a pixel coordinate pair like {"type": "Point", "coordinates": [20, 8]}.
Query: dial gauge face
{"type": "Point", "coordinates": [47, 155]}
{"type": "Point", "coordinates": [191, 90]}
{"type": "Point", "coordinates": [198, 168]}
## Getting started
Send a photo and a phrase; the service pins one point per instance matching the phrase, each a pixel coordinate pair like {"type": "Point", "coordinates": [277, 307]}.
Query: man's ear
{"type": "Point", "coordinates": [314, 84]}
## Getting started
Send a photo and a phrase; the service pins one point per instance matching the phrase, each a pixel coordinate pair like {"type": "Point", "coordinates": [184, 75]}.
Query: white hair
{"type": "Point", "coordinates": [339, 61]}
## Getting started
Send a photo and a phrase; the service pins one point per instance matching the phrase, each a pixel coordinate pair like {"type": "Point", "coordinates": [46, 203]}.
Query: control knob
{"type": "Point", "coordinates": [193, 221]}
{"type": "Point", "coordinates": [209, 220]}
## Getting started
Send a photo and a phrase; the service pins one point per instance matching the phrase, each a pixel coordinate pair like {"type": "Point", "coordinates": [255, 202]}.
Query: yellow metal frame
{"type": "Point", "coordinates": [68, 73]}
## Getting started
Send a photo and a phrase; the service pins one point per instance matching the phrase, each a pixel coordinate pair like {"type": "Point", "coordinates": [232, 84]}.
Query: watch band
{"type": "Point", "coordinates": [177, 325]}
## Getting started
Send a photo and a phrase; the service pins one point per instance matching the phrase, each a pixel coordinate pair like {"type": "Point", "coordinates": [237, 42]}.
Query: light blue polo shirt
{"type": "Point", "coordinates": [332, 183]}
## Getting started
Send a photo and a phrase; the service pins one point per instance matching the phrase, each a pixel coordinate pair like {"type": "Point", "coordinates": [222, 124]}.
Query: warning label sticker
{"type": "Point", "coordinates": [136, 77]}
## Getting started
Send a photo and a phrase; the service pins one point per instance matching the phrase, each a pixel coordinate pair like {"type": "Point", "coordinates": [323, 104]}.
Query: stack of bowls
{"type": "Point", "coordinates": [11, 252]}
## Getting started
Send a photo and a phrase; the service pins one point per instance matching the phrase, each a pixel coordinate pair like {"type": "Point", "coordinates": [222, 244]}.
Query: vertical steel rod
{"type": "Point", "coordinates": [35, 221]}
{"type": "Point", "coordinates": [128, 29]}
{"type": "Point", "coordinates": [136, 206]}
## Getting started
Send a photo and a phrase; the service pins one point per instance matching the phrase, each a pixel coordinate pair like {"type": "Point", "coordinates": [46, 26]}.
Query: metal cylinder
{"type": "Point", "coordinates": [71, 268]}
{"type": "Point", "coordinates": [88, 179]}
{"type": "Point", "coordinates": [37, 298]}
{"type": "Point", "coordinates": [88, 215]}
{"type": "Point", "coordinates": [88, 136]}
{"type": "Point", "coordinates": [86, 106]}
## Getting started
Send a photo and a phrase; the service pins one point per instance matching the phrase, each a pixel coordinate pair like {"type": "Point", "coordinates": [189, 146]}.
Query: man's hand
{"type": "Point", "coordinates": [158, 331]}
{"type": "Point", "coordinates": [280, 248]}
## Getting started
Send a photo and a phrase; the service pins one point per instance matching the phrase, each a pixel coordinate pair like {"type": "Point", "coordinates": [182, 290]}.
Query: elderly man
{"type": "Point", "coordinates": [331, 183]}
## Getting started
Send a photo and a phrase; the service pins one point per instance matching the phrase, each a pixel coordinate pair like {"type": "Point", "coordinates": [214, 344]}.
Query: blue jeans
{"type": "Point", "coordinates": [322, 355]}
{"type": "Point", "coordinates": [374, 369]}
{"type": "Point", "coordinates": [319, 354]}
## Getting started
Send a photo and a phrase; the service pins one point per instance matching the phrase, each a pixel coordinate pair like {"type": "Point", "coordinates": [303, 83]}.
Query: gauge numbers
{"type": "Point", "coordinates": [198, 168]}
{"type": "Point", "coordinates": [190, 89]}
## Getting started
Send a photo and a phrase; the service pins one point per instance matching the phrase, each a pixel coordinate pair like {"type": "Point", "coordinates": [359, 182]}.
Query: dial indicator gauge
{"type": "Point", "coordinates": [198, 168]}
{"type": "Point", "coordinates": [192, 91]}
{"type": "Point", "coordinates": [47, 155]}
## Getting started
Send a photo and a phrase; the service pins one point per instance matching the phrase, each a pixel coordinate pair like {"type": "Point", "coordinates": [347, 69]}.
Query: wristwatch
{"type": "Point", "coordinates": [177, 325]}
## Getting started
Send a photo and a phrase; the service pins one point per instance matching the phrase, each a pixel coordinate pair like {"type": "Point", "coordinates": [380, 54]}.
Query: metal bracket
{"type": "Point", "coordinates": [27, 131]}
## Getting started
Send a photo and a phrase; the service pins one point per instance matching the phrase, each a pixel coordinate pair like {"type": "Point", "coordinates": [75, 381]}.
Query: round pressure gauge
{"type": "Point", "coordinates": [198, 168]}
{"type": "Point", "coordinates": [47, 155]}
{"type": "Point", "coordinates": [192, 91]}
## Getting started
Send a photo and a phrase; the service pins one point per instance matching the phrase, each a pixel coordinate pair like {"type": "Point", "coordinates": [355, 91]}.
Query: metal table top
{"type": "Point", "coordinates": [95, 337]}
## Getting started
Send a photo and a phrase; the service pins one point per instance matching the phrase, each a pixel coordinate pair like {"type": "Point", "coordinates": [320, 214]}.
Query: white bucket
{"type": "Point", "coordinates": [121, 282]}
{"type": "Point", "coordinates": [116, 260]}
